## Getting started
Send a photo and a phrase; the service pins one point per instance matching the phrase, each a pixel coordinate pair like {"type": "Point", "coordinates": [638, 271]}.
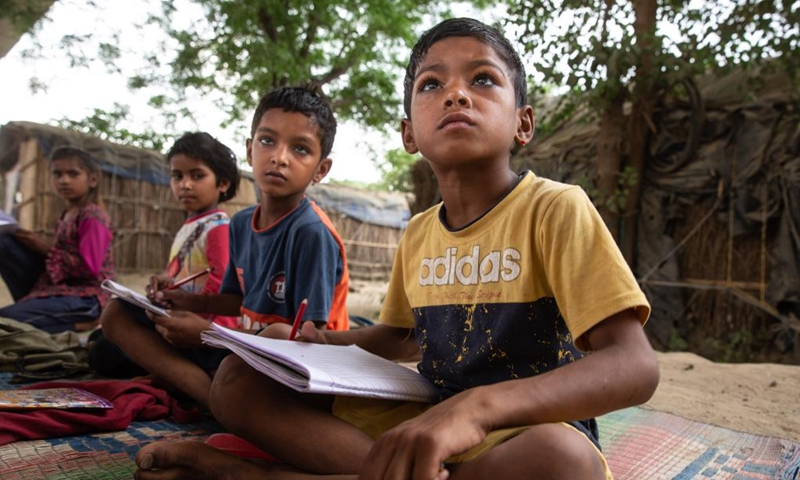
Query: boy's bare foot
{"type": "Point", "coordinates": [195, 460]}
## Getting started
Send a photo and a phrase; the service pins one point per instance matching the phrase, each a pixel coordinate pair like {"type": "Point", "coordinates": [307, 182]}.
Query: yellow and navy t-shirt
{"type": "Point", "coordinates": [512, 294]}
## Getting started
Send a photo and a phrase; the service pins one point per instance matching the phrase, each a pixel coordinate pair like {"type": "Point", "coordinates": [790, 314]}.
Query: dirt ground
{"type": "Point", "coordinates": [755, 398]}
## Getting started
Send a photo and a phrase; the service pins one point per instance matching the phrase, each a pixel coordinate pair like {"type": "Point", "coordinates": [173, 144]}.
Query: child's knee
{"type": "Point", "coordinates": [553, 451]}
{"type": "Point", "coordinates": [109, 319]}
{"type": "Point", "coordinates": [229, 382]}
{"type": "Point", "coordinates": [228, 377]}
{"type": "Point", "coordinates": [572, 455]}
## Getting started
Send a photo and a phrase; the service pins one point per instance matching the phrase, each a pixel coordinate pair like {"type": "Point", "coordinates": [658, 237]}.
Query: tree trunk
{"type": "Point", "coordinates": [608, 161]}
{"type": "Point", "coordinates": [20, 16]}
{"type": "Point", "coordinates": [640, 120]}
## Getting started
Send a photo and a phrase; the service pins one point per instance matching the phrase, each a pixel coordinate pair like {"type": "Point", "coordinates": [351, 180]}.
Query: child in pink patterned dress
{"type": "Point", "coordinates": [56, 284]}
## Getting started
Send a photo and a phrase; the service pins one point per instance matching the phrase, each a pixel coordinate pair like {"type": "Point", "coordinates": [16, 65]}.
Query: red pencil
{"type": "Point", "coordinates": [189, 279]}
{"type": "Point", "coordinates": [298, 318]}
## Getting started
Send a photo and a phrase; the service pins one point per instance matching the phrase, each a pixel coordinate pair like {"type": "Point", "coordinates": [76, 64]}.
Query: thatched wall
{"type": "Point", "coordinates": [370, 248]}
{"type": "Point", "coordinates": [718, 246]}
{"type": "Point", "coordinates": [370, 224]}
{"type": "Point", "coordinates": [144, 213]}
{"type": "Point", "coordinates": [146, 216]}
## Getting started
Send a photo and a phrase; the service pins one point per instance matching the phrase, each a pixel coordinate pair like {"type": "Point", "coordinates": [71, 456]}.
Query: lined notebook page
{"type": "Point", "coordinates": [330, 369]}
{"type": "Point", "coordinates": [125, 293]}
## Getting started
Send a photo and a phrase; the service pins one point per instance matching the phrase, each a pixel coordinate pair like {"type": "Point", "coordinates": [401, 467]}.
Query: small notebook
{"type": "Point", "coordinates": [125, 293]}
{"type": "Point", "coordinates": [329, 369]}
{"type": "Point", "coordinates": [7, 223]}
{"type": "Point", "coordinates": [51, 398]}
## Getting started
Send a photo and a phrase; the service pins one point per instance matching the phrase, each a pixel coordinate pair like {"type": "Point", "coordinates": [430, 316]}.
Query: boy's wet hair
{"type": "Point", "coordinates": [465, 27]}
{"type": "Point", "coordinates": [306, 100]}
{"type": "Point", "coordinates": [214, 154]}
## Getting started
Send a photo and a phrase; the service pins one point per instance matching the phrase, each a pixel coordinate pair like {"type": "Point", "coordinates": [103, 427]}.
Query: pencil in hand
{"type": "Point", "coordinates": [189, 279]}
{"type": "Point", "coordinates": [298, 319]}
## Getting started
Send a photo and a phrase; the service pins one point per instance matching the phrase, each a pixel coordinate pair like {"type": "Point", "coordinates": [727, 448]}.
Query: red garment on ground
{"type": "Point", "coordinates": [133, 400]}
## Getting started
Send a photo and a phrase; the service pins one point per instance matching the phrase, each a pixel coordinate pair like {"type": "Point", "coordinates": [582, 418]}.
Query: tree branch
{"type": "Point", "coordinates": [342, 102]}
{"type": "Point", "coordinates": [606, 17]}
{"type": "Point", "coordinates": [311, 33]}
{"type": "Point", "coordinates": [332, 74]}
{"type": "Point", "coordinates": [338, 69]}
{"type": "Point", "coordinates": [267, 25]}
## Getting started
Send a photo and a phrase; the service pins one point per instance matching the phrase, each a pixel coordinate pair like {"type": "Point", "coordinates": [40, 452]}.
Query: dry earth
{"type": "Point", "coordinates": [754, 398]}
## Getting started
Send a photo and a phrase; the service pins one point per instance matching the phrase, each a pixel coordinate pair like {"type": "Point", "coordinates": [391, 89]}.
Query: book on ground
{"type": "Point", "coordinates": [328, 369]}
{"type": "Point", "coordinates": [51, 398]}
{"type": "Point", "coordinates": [125, 293]}
{"type": "Point", "coordinates": [7, 223]}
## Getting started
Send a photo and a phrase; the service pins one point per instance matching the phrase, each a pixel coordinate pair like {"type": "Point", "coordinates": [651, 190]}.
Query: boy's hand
{"type": "Point", "coordinates": [309, 332]}
{"type": "Point", "coordinates": [178, 299]}
{"type": "Point", "coordinates": [157, 283]}
{"type": "Point", "coordinates": [416, 449]}
{"type": "Point", "coordinates": [182, 329]}
{"type": "Point", "coordinates": [33, 241]}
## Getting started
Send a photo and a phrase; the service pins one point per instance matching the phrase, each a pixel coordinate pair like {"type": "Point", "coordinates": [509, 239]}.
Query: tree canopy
{"type": "Point", "coordinates": [353, 50]}
{"type": "Point", "coordinates": [595, 47]}
{"type": "Point", "coordinates": [231, 52]}
{"type": "Point", "coordinates": [108, 126]}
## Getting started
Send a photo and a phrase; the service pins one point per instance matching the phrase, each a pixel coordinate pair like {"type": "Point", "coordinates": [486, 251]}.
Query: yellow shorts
{"type": "Point", "coordinates": [375, 416]}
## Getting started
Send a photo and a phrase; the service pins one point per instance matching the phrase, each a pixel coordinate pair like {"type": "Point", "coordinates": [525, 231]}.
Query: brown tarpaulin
{"type": "Point", "coordinates": [732, 153]}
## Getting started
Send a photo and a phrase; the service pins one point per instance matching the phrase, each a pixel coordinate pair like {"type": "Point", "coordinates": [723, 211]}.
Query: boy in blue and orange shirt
{"type": "Point", "coordinates": [282, 250]}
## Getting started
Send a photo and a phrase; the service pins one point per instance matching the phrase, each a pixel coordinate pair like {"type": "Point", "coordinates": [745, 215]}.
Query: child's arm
{"type": "Point", "coordinates": [217, 253]}
{"type": "Point", "coordinates": [95, 239]}
{"type": "Point", "coordinates": [182, 329]}
{"type": "Point", "coordinates": [228, 304]}
{"type": "Point", "coordinates": [388, 342]}
{"type": "Point", "coordinates": [33, 241]}
{"type": "Point", "coordinates": [622, 371]}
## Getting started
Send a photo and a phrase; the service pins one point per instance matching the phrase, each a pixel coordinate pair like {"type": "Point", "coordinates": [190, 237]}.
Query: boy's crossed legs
{"type": "Point", "coordinates": [138, 338]}
{"type": "Point", "coordinates": [301, 430]}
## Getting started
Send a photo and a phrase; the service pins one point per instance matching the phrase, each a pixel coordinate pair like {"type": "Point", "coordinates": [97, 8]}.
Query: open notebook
{"type": "Point", "coordinates": [125, 293]}
{"type": "Point", "coordinates": [7, 223]}
{"type": "Point", "coordinates": [328, 369]}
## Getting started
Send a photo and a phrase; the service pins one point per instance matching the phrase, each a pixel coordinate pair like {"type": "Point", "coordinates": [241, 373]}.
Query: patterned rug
{"type": "Point", "coordinates": [106, 456]}
{"type": "Point", "coordinates": [640, 444]}
{"type": "Point", "coordinates": [645, 444]}
{"type": "Point", "coordinates": [100, 456]}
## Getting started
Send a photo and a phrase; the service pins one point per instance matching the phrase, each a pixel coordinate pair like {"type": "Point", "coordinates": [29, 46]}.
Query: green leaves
{"type": "Point", "coordinates": [352, 49]}
{"type": "Point", "coordinates": [227, 53]}
{"type": "Point", "coordinates": [591, 48]}
{"type": "Point", "coordinates": [395, 171]}
{"type": "Point", "coordinates": [616, 200]}
{"type": "Point", "coordinates": [106, 125]}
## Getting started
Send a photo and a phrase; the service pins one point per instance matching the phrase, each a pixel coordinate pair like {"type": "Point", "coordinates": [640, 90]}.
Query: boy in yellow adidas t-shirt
{"type": "Point", "coordinates": [527, 317]}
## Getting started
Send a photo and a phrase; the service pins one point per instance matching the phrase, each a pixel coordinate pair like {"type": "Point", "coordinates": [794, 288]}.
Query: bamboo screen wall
{"type": "Point", "coordinates": [145, 215]}
{"type": "Point", "coordinates": [370, 248]}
